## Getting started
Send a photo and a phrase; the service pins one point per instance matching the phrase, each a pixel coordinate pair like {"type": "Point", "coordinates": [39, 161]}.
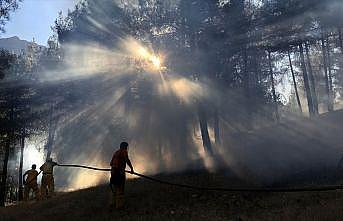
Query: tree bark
{"type": "Point", "coordinates": [294, 82]}
{"type": "Point", "coordinates": [204, 131]}
{"type": "Point", "coordinates": [22, 145]}
{"type": "Point", "coordinates": [330, 74]}
{"type": "Point", "coordinates": [52, 130]}
{"type": "Point", "coordinates": [247, 92]}
{"type": "Point", "coordinates": [9, 138]}
{"type": "Point", "coordinates": [50, 135]}
{"type": "Point", "coordinates": [216, 128]}
{"type": "Point", "coordinates": [276, 111]}
{"type": "Point", "coordinates": [4, 174]}
{"type": "Point", "coordinates": [340, 38]}
{"type": "Point", "coordinates": [312, 81]}
{"type": "Point", "coordinates": [327, 86]}
{"type": "Point", "coordinates": [306, 82]}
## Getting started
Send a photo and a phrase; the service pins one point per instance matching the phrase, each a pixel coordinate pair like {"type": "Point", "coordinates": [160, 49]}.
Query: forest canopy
{"type": "Point", "coordinates": [177, 78]}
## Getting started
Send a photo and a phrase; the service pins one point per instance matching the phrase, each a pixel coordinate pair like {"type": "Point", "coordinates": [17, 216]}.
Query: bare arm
{"type": "Point", "coordinates": [130, 165]}
{"type": "Point", "coordinates": [129, 162]}
{"type": "Point", "coordinates": [24, 176]}
{"type": "Point", "coordinates": [112, 161]}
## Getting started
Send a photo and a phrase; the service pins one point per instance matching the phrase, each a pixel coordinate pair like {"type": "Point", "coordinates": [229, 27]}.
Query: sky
{"type": "Point", "coordinates": [34, 18]}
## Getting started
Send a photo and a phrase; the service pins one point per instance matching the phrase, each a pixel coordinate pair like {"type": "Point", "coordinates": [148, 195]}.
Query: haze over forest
{"type": "Point", "coordinates": [253, 88]}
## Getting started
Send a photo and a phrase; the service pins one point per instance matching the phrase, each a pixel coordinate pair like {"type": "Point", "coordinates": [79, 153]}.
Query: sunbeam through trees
{"type": "Point", "coordinates": [249, 88]}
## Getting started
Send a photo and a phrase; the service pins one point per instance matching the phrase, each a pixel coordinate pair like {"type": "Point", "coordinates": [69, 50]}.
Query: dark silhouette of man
{"type": "Point", "coordinates": [31, 183]}
{"type": "Point", "coordinates": [118, 164]}
{"type": "Point", "coordinates": [48, 182]}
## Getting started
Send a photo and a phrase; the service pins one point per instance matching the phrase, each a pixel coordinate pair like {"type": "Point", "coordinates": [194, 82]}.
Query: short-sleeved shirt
{"type": "Point", "coordinates": [119, 160]}
{"type": "Point", "coordinates": [31, 176]}
{"type": "Point", "coordinates": [118, 165]}
{"type": "Point", "coordinates": [48, 167]}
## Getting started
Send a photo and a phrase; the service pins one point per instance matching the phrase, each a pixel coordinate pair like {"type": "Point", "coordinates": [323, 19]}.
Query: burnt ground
{"type": "Point", "coordinates": [295, 153]}
{"type": "Point", "coordinates": [146, 200]}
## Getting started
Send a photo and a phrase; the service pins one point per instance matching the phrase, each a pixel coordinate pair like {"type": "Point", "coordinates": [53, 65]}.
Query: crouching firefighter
{"type": "Point", "coordinates": [48, 183]}
{"type": "Point", "coordinates": [117, 182]}
{"type": "Point", "coordinates": [30, 183]}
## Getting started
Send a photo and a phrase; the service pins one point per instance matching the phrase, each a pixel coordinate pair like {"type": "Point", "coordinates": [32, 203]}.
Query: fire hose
{"type": "Point", "coordinates": [262, 189]}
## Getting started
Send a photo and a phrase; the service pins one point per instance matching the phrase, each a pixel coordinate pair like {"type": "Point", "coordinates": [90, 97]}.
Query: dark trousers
{"type": "Point", "coordinates": [117, 183]}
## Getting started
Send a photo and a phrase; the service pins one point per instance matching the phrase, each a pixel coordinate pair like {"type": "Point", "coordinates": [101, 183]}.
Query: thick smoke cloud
{"type": "Point", "coordinates": [153, 110]}
{"type": "Point", "coordinates": [158, 117]}
{"type": "Point", "coordinates": [121, 97]}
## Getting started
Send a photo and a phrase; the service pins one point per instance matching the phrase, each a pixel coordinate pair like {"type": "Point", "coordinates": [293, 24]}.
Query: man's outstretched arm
{"type": "Point", "coordinates": [112, 161]}
{"type": "Point", "coordinates": [129, 163]}
{"type": "Point", "coordinates": [24, 176]}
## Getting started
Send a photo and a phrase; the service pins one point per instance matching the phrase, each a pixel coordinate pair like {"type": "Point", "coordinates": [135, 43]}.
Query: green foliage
{"type": "Point", "coordinates": [6, 8]}
{"type": "Point", "coordinates": [6, 59]}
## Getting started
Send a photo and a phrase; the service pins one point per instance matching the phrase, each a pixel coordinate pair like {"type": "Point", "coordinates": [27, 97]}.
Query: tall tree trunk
{"type": "Point", "coordinates": [276, 111]}
{"type": "Point", "coordinates": [4, 173]}
{"type": "Point", "coordinates": [327, 86]}
{"type": "Point", "coordinates": [204, 130]}
{"type": "Point", "coordinates": [50, 134]}
{"type": "Point", "coordinates": [312, 81]}
{"type": "Point", "coordinates": [340, 38]}
{"type": "Point", "coordinates": [10, 136]}
{"type": "Point", "coordinates": [330, 74]}
{"type": "Point", "coordinates": [216, 128]}
{"type": "Point", "coordinates": [247, 92]}
{"type": "Point", "coordinates": [294, 82]}
{"type": "Point", "coordinates": [52, 130]}
{"type": "Point", "coordinates": [306, 82]}
{"type": "Point", "coordinates": [22, 145]}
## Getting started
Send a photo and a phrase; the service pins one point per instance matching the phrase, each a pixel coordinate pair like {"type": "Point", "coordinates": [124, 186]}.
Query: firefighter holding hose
{"type": "Point", "coordinates": [118, 163]}
{"type": "Point", "coordinates": [48, 184]}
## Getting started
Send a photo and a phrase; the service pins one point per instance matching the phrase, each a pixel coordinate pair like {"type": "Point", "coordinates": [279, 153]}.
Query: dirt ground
{"type": "Point", "coordinates": [146, 200]}
{"type": "Point", "coordinates": [298, 153]}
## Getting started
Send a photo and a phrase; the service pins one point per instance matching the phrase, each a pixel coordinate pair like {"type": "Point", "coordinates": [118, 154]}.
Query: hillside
{"type": "Point", "coordinates": [294, 147]}
{"type": "Point", "coordinates": [14, 44]}
{"type": "Point", "coordinates": [296, 153]}
{"type": "Point", "coordinates": [152, 201]}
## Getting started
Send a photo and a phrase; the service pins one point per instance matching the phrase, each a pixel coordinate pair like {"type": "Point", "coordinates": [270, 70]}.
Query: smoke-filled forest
{"type": "Point", "coordinates": [250, 89]}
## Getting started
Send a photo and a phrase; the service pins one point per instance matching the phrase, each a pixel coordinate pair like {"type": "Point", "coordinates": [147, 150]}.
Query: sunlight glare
{"type": "Point", "coordinates": [139, 52]}
{"type": "Point", "coordinates": [156, 61]}
{"type": "Point", "coordinates": [32, 156]}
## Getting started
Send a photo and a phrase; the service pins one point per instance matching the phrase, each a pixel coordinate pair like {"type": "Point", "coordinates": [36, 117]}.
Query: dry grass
{"type": "Point", "coordinates": [150, 201]}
